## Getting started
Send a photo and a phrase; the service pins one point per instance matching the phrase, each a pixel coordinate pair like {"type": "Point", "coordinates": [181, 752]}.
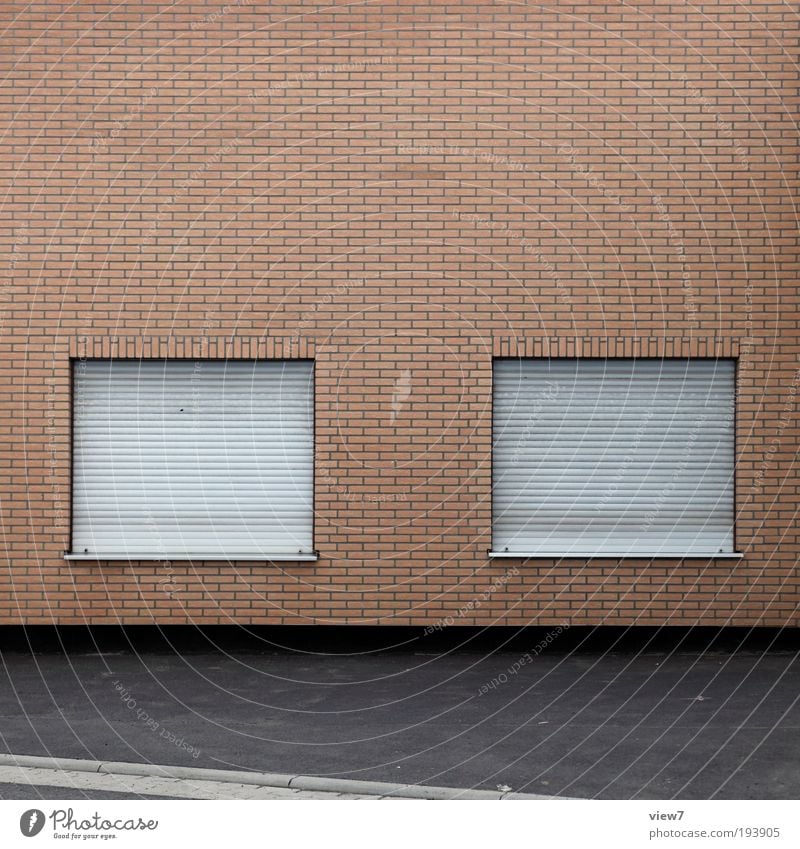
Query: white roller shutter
{"type": "Point", "coordinates": [204, 458]}
{"type": "Point", "coordinates": [615, 457]}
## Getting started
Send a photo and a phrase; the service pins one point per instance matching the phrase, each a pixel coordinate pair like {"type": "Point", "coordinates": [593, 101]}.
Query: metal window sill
{"type": "Point", "coordinates": [610, 555]}
{"type": "Point", "coordinates": [224, 558]}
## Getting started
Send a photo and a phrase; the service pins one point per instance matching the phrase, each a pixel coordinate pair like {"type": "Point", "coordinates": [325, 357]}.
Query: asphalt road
{"type": "Point", "coordinates": [617, 725]}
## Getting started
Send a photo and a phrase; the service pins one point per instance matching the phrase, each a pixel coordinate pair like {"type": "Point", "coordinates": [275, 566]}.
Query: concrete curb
{"type": "Point", "coordinates": [267, 779]}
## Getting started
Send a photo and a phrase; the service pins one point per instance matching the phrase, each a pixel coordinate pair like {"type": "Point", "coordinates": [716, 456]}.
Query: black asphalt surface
{"type": "Point", "coordinates": [607, 723]}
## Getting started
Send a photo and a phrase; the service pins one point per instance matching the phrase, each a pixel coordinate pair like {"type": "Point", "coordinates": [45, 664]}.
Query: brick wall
{"type": "Point", "coordinates": [404, 189]}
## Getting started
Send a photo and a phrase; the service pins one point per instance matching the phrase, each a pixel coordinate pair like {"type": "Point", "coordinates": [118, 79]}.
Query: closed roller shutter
{"type": "Point", "coordinates": [617, 457]}
{"type": "Point", "coordinates": [192, 458]}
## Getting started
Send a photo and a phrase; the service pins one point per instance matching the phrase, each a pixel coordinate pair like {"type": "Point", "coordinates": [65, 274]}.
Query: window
{"type": "Point", "coordinates": [178, 459]}
{"type": "Point", "coordinates": [613, 457]}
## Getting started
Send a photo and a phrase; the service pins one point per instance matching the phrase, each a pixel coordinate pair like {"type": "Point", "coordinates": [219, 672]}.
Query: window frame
{"type": "Point", "coordinates": [71, 555]}
{"type": "Point", "coordinates": [734, 554]}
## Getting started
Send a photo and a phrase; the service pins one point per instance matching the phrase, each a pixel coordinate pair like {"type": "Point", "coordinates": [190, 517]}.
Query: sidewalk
{"type": "Point", "coordinates": [170, 782]}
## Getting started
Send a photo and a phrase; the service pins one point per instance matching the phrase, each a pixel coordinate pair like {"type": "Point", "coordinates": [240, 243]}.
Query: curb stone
{"type": "Point", "coordinates": [269, 779]}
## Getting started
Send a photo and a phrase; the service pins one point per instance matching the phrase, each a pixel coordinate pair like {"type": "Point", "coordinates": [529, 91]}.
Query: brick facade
{"type": "Point", "coordinates": [401, 191]}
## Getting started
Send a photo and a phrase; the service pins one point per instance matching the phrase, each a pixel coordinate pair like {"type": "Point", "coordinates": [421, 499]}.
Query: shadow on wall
{"type": "Point", "coordinates": [353, 639]}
